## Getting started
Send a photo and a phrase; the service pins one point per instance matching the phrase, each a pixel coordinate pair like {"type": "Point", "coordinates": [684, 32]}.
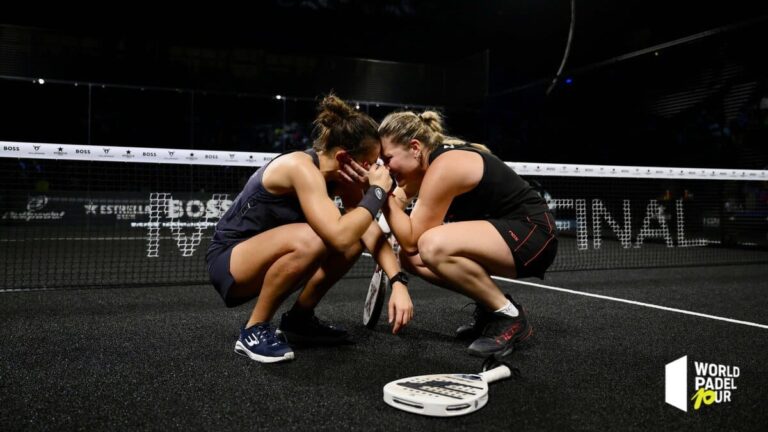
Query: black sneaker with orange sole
{"type": "Point", "coordinates": [502, 333]}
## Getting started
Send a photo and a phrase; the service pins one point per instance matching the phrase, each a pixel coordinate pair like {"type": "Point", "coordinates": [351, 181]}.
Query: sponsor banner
{"type": "Point", "coordinates": [76, 209]}
{"type": "Point", "coordinates": [35, 209]}
{"type": "Point", "coordinates": [12, 149]}
{"type": "Point", "coordinates": [132, 154]}
{"type": "Point", "coordinates": [616, 171]}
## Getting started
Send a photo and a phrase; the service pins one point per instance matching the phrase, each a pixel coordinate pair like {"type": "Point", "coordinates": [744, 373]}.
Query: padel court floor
{"type": "Point", "coordinates": [162, 358]}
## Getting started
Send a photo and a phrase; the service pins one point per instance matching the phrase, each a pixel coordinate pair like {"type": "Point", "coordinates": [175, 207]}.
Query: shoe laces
{"type": "Point", "coordinates": [266, 333]}
{"type": "Point", "coordinates": [478, 314]}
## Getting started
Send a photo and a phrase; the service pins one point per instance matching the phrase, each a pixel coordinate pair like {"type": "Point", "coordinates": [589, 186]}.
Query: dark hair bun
{"type": "Point", "coordinates": [333, 111]}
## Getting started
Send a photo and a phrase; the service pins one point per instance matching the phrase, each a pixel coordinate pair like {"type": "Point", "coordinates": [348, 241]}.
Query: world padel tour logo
{"type": "Point", "coordinates": [713, 384]}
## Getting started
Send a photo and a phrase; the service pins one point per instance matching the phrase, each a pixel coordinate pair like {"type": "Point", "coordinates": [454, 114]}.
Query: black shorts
{"type": "Point", "coordinates": [532, 240]}
{"type": "Point", "coordinates": [217, 259]}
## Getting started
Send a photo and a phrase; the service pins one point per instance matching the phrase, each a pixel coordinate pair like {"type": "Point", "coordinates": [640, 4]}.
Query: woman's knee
{"type": "Point", "coordinates": [308, 244]}
{"type": "Point", "coordinates": [432, 248]}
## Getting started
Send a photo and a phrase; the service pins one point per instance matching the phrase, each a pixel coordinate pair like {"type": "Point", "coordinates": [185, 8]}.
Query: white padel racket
{"type": "Point", "coordinates": [377, 289]}
{"type": "Point", "coordinates": [374, 300]}
{"type": "Point", "coordinates": [444, 395]}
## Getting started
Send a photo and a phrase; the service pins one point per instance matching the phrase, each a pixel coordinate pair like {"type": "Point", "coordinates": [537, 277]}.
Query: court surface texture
{"type": "Point", "coordinates": [162, 358]}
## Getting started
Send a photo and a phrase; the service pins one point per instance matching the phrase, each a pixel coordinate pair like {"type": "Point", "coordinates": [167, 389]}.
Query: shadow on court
{"type": "Point", "coordinates": [162, 358]}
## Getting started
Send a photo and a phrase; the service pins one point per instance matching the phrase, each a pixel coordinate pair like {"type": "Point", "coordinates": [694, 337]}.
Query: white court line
{"type": "Point", "coordinates": [586, 294]}
{"type": "Point", "coordinates": [632, 302]}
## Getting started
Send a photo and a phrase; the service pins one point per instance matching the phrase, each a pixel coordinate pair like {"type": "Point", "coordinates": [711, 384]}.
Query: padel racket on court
{"type": "Point", "coordinates": [444, 395]}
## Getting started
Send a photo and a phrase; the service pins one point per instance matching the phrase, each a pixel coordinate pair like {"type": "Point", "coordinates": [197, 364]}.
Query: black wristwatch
{"type": "Point", "coordinates": [401, 277]}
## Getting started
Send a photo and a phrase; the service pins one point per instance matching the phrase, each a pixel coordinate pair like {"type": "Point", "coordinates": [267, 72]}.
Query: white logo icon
{"type": "Point", "coordinates": [676, 383]}
{"type": "Point", "coordinates": [252, 340]}
{"type": "Point", "coordinates": [37, 203]}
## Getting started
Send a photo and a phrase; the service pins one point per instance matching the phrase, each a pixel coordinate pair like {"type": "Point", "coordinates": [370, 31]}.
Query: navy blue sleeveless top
{"type": "Point", "coordinates": [256, 210]}
{"type": "Point", "coordinates": [501, 193]}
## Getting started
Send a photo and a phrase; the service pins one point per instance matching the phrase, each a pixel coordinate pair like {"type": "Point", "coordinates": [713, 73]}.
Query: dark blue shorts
{"type": "Point", "coordinates": [532, 241]}
{"type": "Point", "coordinates": [217, 259]}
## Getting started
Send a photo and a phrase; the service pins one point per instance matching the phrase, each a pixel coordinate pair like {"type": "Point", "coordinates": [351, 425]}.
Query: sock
{"type": "Point", "coordinates": [508, 309]}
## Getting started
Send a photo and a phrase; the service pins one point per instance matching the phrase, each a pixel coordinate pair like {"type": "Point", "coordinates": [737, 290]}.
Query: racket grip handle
{"type": "Point", "coordinates": [495, 374]}
{"type": "Point", "coordinates": [383, 224]}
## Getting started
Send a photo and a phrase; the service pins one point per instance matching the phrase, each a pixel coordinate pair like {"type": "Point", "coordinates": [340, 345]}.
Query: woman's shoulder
{"type": "Point", "coordinates": [280, 175]}
{"type": "Point", "coordinates": [293, 159]}
{"type": "Point", "coordinates": [460, 167]}
{"type": "Point", "coordinates": [454, 154]}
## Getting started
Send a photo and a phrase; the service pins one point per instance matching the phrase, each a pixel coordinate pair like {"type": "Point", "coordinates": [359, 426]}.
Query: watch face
{"type": "Point", "coordinates": [401, 277]}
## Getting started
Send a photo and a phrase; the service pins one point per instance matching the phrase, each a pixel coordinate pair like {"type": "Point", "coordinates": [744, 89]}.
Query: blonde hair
{"type": "Point", "coordinates": [338, 125]}
{"type": "Point", "coordinates": [426, 127]}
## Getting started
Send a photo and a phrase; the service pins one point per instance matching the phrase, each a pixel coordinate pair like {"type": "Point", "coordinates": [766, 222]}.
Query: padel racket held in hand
{"type": "Point", "coordinates": [377, 289]}
{"type": "Point", "coordinates": [374, 301]}
{"type": "Point", "coordinates": [444, 395]}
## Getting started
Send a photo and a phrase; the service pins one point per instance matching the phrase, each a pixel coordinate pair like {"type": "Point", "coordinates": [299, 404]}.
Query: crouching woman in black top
{"type": "Point", "coordinates": [283, 231]}
{"type": "Point", "coordinates": [498, 224]}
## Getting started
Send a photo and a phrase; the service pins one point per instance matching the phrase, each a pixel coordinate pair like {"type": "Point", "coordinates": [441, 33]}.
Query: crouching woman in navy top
{"type": "Point", "coordinates": [283, 231]}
